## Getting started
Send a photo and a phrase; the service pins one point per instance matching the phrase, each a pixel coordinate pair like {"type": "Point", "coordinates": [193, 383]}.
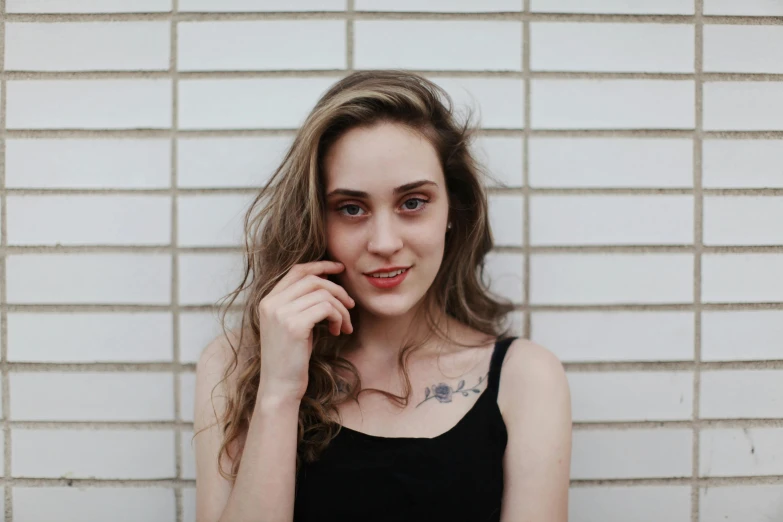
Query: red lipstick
{"type": "Point", "coordinates": [387, 282]}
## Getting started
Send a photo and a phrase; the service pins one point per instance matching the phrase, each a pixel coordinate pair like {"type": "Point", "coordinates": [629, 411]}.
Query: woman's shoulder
{"type": "Point", "coordinates": [531, 375]}
{"type": "Point", "coordinates": [218, 368]}
{"type": "Point", "coordinates": [222, 350]}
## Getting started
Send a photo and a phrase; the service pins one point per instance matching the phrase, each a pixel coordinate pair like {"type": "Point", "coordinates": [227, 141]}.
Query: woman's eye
{"type": "Point", "coordinates": [415, 200]}
{"type": "Point", "coordinates": [412, 204]}
{"type": "Point", "coordinates": [353, 209]}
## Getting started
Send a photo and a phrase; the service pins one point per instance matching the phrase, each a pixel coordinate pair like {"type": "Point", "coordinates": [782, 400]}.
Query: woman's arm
{"type": "Point", "coordinates": [264, 487]}
{"type": "Point", "coordinates": [535, 400]}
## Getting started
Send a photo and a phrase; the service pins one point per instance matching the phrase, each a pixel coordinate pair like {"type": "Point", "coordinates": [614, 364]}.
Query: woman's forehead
{"type": "Point", "coordinates": [380, 159]}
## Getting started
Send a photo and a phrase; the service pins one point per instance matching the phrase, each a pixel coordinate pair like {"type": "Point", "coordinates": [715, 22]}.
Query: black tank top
{"type": "Point", "coordinates": [457, 475]}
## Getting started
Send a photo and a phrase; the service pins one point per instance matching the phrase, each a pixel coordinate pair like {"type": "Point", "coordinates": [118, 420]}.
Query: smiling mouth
{"type": "Point", "coordinates": [387, 275]}
{"type": "Point", "coordinates": [388, 280]}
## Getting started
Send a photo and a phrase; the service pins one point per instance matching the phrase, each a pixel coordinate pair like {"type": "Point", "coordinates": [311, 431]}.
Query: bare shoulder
{"type": "Point", "coordinates": [218, 353]}
{"type": "Point", "coordinates": [531, 375]}
{"type": "Point", "coordinates": [211, 390]}
{"type": "Point", "coordinates": [211, 385]}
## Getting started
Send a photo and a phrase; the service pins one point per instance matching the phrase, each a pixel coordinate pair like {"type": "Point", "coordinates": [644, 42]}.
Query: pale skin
{"type": "Point", "coordinates": [383, 228]}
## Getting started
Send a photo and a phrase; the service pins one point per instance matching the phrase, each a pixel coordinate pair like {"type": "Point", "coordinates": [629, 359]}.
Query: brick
{"type": "Point", "coordinates": [743, 49]}
{"type": "Point", "coordinates": [743, 220]}
{"type": "Point", "coordinates": [742, 163]}
{"type": "Point", "coordinates": [631, 396]}
{"type": "Point", "coordinates": [611, 162]}
{"type": "Point", "coordinates": [505, 216]}
{"type": "Point", "coordinates": [435, 6]}
{"type": "Point", "coordinates": [229, 162]}
{"type": "Point", "coordinates": [493, 46]}
{"type": "Point", "coordinates": [744, 105]}
{"type": "Point", "coordinates": [612, 104]}
{"type": "Point", "coordinates": [616, 336]}
{"type": "Point", "coordinates": [741, 394]}
{"type": "Point", "coordinates": [611, 220]}
{"type": "Point", "coordinates": [741, 278]}
{"type": "Point", "coordinates": [658, 453]}
{"type": "Point", "coordinates": [613, 6]}
{"type": "Point", "coordinates": [100, 454]}
{"type": "Point", "coordinates": [189, 504]}
{"type": "Point", "coordinates": [142, 396]}
{"type": "Point", "coordinates": [267, 103]}
{"type": "Point", "coordinates": [254, 5]}
{"type": "Point", "coordinates": [260, 45]}
{"type": "Point", "coordinates": [89, 104]}
{"type": "Point", "coordinates": [613, 47]}
{"type": "Point", "coordinates": [497, 102]}
{"type": "Point", "coordinates": [90, 337]}
{"type": "Point", "coordinates": [624, 503]}
{"type": "Point", "coordinates": [504, 275]}
{"type": "Point", "coordinates": [88, 163]}
{"type": "Point", "coordinates": [89, 279]}
{"type": "Point", "coordinates": [581, 279]}
{"type": "Point", "coordinates": [89, 220]}
{"type": "Point", "coordinates": [213, 220]}
{"type": "Point", "coordinates": [88, 6]}
{"type": "Point", "coordinates": [124, 504]}
{"type": "Point", "coordinates": [501, 157]}
{"type": "Point", "coordinates": [87, 46]}
{"type": "Point", "coordinates": [741, 335]}
{"type": "Point", "coordinates": [206, 278]}
{"type": "Point", "coordinates": [745, 8]}
{"type": "Point", "coordinates": [737, 503]}
{"type": "Point", "coordinates": [748, 452]}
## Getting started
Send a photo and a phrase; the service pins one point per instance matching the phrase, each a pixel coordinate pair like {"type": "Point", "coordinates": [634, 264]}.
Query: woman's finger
{"type": "Point", "coordinates": [301, 271]}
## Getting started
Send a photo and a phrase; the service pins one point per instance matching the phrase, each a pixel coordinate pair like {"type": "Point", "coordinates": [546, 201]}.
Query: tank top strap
{"type": "Point", "coordinates": [496, 364]}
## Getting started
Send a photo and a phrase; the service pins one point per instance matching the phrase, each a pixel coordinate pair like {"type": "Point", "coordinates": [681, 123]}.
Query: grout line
{"type": "Point", "coordinates": [260, 74]}
{"type": "Point", "coordinates": [350, 40]}
{"type": "Point", "coordinates": [513, 249]}
{"type": "Point", "coordinates": [672, 481]}
{"type": "Point", "coordinates": [175, 310]}
{"type": "Point", "coordinates": [730, 424]}
{"type": "Point", "coordinates": [570, 366]}
{"type": "Point", "coordinates": [393, 15]}
{"type": "Point", "coordinates": [506, 132]}
{"type": "Point", "coordinates": [249, 191]}
{"type": "Point", "coordinates": [527, 323]}
{"type": "Point", "coordinates": [698, 240]}
{"type": "Point", "coordinates": [580, 483]}
{"type": "Point", "coordinates": [6, 385]}
{"type": "Point", "coordinates": [725, 424]}
{"type": "Point", "coordinates": [29, 482]}
{"type": "Point", "coordinates": [626, 307]}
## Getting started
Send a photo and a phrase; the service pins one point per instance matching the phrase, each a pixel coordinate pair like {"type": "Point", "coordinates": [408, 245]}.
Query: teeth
{"type": "Point", "coordinates": [389, 274]}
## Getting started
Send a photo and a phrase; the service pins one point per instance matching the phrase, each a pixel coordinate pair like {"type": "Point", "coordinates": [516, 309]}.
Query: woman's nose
{"type": "Point", "coordinates": [384, 237]}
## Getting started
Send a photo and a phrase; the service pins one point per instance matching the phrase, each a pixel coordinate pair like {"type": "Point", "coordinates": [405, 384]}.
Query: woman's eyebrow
{"type": "Point", "coordinates": [397, 190]}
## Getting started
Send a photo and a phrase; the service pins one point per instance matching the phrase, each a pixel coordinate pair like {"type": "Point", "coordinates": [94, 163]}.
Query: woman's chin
{"type": "Point", "coordinates": [386, 305]}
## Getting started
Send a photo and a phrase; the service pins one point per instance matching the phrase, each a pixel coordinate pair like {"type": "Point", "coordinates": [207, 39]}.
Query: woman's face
{"type": "Point", "coordinates": [386, 206]}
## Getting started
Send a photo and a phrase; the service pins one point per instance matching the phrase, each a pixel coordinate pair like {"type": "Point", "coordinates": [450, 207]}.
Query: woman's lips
{"type": "Point", "coordinates": [387, 282]}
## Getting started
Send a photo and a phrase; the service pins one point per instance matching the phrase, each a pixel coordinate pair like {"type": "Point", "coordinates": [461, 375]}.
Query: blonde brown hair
{"type": "Point", "coordinates": [284, 226]}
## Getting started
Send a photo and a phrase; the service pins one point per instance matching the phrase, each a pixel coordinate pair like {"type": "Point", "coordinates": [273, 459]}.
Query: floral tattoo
{"type": "Point", "coordinates": [443, 392]}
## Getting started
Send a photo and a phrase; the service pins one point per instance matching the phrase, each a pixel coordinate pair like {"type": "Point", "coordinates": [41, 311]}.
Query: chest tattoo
{"type": "Point", "coordinates": [444, 392]}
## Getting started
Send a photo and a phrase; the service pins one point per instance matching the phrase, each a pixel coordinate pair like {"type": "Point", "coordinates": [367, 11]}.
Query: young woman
{"type": "Point", "coordinates": [371, 378]}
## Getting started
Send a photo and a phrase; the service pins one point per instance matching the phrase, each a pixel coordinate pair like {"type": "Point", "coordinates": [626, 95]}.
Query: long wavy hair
{"type": "Point", "coordinates": [285, 226]}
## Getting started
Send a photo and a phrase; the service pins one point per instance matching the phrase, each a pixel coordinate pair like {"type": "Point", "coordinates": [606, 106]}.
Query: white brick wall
{"type": "Point", "coordinates": [639, 227]}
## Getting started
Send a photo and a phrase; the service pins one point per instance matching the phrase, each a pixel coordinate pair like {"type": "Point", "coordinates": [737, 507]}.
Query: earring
{"type": "Point", "coordinates": [449, 225]}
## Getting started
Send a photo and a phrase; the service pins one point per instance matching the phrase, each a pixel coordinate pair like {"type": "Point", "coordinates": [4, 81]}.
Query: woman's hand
{"type": "Point", "coordinates": [287, 315]}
